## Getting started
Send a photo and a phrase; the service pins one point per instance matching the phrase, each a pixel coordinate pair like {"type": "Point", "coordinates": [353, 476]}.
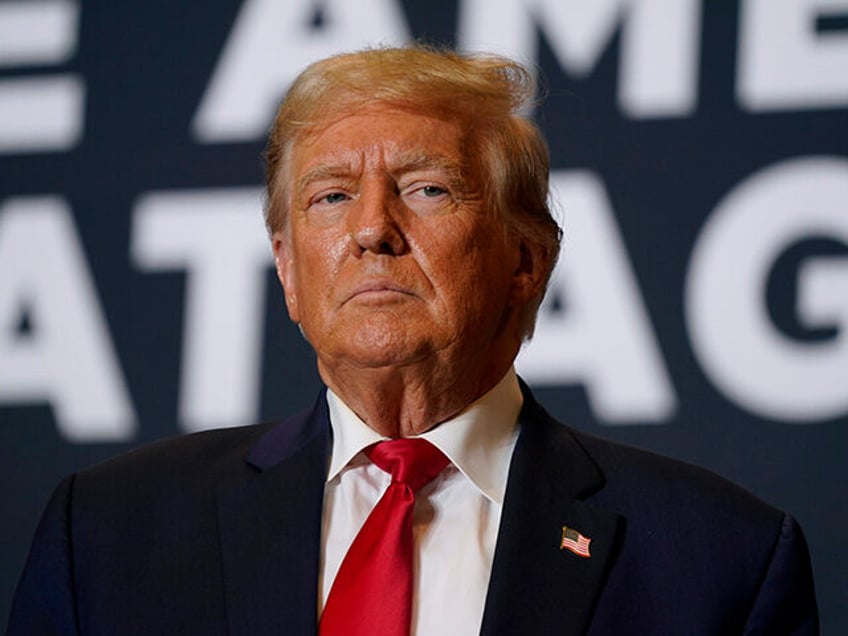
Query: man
{"type": "Point", "coordinates": [407, 210]}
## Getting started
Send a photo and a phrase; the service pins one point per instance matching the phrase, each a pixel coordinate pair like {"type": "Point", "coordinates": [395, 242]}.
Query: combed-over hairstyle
{"type": "Point", "coordinates": [485, 93]}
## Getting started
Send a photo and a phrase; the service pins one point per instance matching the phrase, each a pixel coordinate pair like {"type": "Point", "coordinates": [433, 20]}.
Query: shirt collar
{"type": "Point", "coordinates": [479, 441]}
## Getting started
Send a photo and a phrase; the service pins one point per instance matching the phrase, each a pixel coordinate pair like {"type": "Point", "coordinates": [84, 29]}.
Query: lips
{"type": "Point", "coordinates": [378, 290]}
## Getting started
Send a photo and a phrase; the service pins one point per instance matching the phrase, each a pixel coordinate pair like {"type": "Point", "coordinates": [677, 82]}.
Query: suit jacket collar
{"type": "Point", "coordinates": [270, 521]}
{"type": "Point", "coordinates": [270, 528]}
{"type": "Point", "coordinates": [292, 435]}
{"type": "Point", "coordinates": [536, 587]}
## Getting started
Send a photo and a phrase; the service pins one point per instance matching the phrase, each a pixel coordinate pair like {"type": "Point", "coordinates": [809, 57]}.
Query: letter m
{"type": "Point", "coordinates": [659, 43]}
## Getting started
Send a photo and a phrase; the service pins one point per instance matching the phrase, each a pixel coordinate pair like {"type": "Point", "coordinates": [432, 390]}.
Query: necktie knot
{"type": "Point", "coordinates": [411, 461]}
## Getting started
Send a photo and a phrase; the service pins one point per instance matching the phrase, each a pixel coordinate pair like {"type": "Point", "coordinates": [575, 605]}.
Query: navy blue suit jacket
{"type": "Point", "coordinates": [219, 533]}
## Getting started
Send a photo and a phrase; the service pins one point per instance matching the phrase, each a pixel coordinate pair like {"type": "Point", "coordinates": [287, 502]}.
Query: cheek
{"type": "Point", "coordinates": [320, 255]}
{"type": "Point", "coordinates": [472, 272]}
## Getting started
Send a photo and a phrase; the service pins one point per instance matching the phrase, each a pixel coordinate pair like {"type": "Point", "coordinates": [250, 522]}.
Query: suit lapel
{"type": "Point", "coordinates": [270, 529]}
{"type": "Point", "coordinates": [536, 587]}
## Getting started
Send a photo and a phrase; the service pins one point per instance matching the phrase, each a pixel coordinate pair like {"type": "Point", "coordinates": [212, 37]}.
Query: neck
{"type": "Point", "coordinates": [409, 400]}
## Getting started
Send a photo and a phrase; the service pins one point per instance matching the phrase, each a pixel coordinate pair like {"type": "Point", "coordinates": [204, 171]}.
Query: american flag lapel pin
{"type": "Point", "coordinates": [575, 542]}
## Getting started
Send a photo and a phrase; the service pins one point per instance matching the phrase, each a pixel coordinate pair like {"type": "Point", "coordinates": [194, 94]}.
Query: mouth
{"type": "Point", "coordinates": [379, 292]}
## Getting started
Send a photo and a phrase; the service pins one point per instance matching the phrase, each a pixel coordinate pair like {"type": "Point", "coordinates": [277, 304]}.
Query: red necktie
{"type": "Point", "coordinates": [372, 592]}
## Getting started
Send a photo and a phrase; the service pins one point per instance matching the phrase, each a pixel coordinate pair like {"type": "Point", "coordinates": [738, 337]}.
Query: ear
{"type": "Point", "coordinates": [284, 262]}
{"type": "Point", "coordinates": [528, 280]}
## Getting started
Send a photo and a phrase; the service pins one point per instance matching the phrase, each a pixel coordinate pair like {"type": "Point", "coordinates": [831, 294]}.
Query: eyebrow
{"type": "Point", "coordinates": [321, 172]}
{"type": "Point", "coordinates": [404, 163]}
{"type": "Point", "coordinates": [415, 161]}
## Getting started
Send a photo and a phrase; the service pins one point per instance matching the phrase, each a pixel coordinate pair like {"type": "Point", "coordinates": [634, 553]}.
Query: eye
{"type": "Point", "coordinates": [333, 197]}
{"type": "Point", "coordinates": [427, 196]}
{"type": "Point", "coordinates": [432, 191]}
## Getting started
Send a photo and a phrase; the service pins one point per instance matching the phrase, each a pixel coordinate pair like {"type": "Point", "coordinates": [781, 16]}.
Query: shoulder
{"type": "Point", "coordinates": [206, 452]}
{"type": "Point", "coordinates": [173, 477]}
{"type": "Point", "coordinates": [639, 483]}
{"type": "Point", "coordinates": [677, 507]}
{"type": "Point", "coordinates": [667, 483]}
{"type": "Point", "coordinates": [718, 549]}
{"type": "Point", "coordinates": [728, 558]}
{"type": "Point", "coordinates": [666, 506]}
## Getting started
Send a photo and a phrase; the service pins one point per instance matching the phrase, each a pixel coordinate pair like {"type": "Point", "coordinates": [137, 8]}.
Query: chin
{"type": "Point", "coordinates": [374, 347]}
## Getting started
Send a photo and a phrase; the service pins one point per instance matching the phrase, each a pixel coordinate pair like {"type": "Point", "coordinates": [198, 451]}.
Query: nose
{"type": "Point", "coordinates": [374, 223]}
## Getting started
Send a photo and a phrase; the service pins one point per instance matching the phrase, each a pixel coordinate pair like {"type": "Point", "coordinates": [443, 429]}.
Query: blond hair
{"type": "Point", "coordinates": [487, 93]}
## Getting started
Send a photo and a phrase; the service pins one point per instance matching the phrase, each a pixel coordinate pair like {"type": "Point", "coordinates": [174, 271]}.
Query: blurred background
{"type": "Point", "coordinates": [700, 170]}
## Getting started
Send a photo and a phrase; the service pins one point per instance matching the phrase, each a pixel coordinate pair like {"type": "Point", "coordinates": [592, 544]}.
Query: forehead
{"type": "Point", "coordinates": [381, 135]}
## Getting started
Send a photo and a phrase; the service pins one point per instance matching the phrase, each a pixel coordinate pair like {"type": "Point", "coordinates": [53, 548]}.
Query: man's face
{"type": "Point", "coordinates": [390, 257]}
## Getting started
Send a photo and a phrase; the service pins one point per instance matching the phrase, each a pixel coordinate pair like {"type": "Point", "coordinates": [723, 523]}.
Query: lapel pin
{"type": "Point", "coordinates": [575, 542]}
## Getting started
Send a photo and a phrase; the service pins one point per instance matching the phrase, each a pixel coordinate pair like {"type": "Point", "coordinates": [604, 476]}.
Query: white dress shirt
{"type": "Point", "coordinates": [456, 516]}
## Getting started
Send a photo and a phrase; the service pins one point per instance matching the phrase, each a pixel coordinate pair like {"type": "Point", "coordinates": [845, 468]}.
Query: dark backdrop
{"type": "Point", "coordinates": [700, 158]}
